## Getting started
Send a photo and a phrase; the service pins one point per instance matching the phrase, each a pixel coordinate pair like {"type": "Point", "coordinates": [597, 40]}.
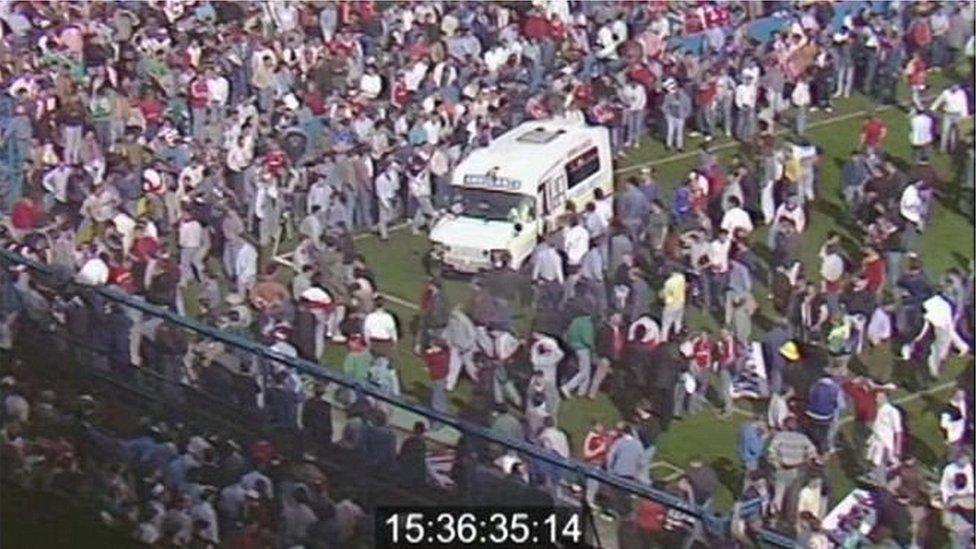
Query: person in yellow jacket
{"type": "Point", "coordinates": [673, 295]}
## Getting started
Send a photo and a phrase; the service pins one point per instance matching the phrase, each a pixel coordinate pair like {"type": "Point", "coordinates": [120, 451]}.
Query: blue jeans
{"type": "Point", "coordinates": [675, 137]}
{"type": "Point", "coordinates": [801, 120]}
{"type": "Point", "coordinates": [634, 123]}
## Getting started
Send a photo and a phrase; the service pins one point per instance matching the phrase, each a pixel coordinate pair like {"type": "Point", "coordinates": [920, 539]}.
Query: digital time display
{"type": "Point", "coordinates": [442, 526]}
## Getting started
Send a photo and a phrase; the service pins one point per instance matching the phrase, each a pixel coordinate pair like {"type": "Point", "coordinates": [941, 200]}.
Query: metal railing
{"type": "Point", "coordinates": [571, 468]}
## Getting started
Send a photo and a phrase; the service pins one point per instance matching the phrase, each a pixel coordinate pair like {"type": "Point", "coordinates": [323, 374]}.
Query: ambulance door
{"type": "Point", "coordinates": [554, 201]}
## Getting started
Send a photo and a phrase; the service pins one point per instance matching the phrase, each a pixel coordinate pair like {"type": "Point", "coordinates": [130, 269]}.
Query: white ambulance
{"type": "Point", "coordinates": [506, 195]}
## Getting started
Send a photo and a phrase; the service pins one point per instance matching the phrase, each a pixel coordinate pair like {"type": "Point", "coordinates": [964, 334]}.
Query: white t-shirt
{"type": "Point", "coordinates": [379, 325]}
{"type": "Point", "coordinates": [737, 218]}
{"type": "Point", "coordinates": [954, 102]}
{"type": "Point", "coordinates": [94, 272]}
{"type": "Point", "coordinates": [887, 426]}
{"type": "Point", "coordinates": [576, 243]}
{"type": "Point", "coordinates": [921, 130]}
{"type": "Point", "coordinates": [911, 205]}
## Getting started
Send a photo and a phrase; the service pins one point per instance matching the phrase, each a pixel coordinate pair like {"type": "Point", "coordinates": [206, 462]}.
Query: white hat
{"type": "Point", "coordinates": [152, 181]}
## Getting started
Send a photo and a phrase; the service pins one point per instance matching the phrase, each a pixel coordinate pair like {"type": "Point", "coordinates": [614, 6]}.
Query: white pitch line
{"type": "Point", "coordinates": [394, 228]}
{"type": "Point", "coordinates": [402, 302]}
{"type": "Point", "coordinates": [910, 397]}
{"type": "Point", "coordinates": [734, 143]}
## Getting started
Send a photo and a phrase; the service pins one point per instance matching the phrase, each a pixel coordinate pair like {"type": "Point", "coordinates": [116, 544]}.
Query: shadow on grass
{"type": "Point", "coordinates": [961, 260]}
{"type": "Point", "coordinates": [729, 474]}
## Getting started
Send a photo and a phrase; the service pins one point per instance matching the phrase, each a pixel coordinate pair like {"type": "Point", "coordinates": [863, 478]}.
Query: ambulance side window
{"type": "Point", "coordinates": [580, 168]}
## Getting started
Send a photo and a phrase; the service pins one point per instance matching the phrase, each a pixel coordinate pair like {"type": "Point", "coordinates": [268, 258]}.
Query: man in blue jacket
{"type": "Point", "coordinates": [823, 409]}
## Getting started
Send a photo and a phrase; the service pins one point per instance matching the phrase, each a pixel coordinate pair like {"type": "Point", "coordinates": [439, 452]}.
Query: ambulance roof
{"type": "Point", "coordinates": [519, 158]}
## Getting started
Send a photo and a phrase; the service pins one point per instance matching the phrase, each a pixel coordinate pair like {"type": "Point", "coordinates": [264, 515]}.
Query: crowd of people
{"type": "Point", "coordinates": [167, 485]}
{"type": "Point", "coordinates": [173, 149]}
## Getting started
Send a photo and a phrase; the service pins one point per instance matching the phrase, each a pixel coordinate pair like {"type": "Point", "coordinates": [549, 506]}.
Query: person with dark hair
{"type": "Point", "coordinates": [412, 458]}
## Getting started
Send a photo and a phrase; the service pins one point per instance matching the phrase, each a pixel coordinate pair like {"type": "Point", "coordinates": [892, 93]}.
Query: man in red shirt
{"type": "Point", "coordinates": [199, 99]}
{"type": "Point", "coordinates": [862, 392]}
{"type": "Point", "coordinates": [916, 72]}
{"type": "Point", "coordinates": [873, 133]}
{"type": "Point", "coordinates": [437, 359]}
{"type": "Point", "coordinates": [152, 112]}
{"type": "Point", "coordinates": [595, 447]}
{"type": "Point", "coordinates": [27, 214]}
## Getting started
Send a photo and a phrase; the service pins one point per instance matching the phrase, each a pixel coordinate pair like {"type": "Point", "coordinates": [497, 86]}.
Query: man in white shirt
{"type": "Point", "coordinates": [885, 444]}
{"type": "Point", "coordinates": [387, 186]}
{"type": "Point", "coordinates": [420, 191]}
{"type": "Point", "coordinates": [955, 107]}
{"type": "Point", "coordinates": [635, 100]}
{"type": "Point", "coordinates": [545, 355]}
{"type": "Point", "coordinates": [920, 134]}
{"type": "Point", "coordinates": [912, 207]}
{"type": "Point", "coordinates": [191, 241]}
{"type": "Point", "coordinates": [245, 266]}
{"type": "Point", "coordinates": [94, 272]}
{"type": "Point", "coordinates": [380, 331]}
{"type": "Point", "coordinates": [718, 270]}
{"type": "Point", "coordinates": [736, 218]}
{"type": "Point", "coordinates": [801, 100]}
{"type": "Point", "coordinates": [941, 320]}
{"type": "Point", "coordinates": [745, 103]}
{"type": "Point", "coordinates": [576, 240]}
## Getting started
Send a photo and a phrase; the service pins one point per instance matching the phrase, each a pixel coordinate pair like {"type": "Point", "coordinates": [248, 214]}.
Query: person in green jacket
{"type": "Point", "coordinates": [356, 366]}
{"type": "Point", "coordinates": [581, 338]}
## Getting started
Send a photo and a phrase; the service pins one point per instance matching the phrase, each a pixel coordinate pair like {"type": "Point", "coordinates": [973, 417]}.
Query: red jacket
{"type": "Point", "coordinates": [874, 274]}
{"type": "Point", "coordinates": [702, 352]}
{"type": "Point", "coordinates": [863, 396]}
{"type": "Point", "coordinates": [399, 94]}
{"type": "Point", "coordinates": [152, 110]}
{"type": "Point", "coordinates": [595, 447]}
{"type": "Point", "coordinates": [438, 363]}
{"type": "Point", "coordinates": [26, 214]}
{"type": "Point", "coordinates": [275, 160]}
{"type": "Point", "coordinates": [199, 93]}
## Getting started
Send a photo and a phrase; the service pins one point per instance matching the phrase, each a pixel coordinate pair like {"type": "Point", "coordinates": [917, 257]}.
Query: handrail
{"type": "Point", "coordinates": [316, 370]}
